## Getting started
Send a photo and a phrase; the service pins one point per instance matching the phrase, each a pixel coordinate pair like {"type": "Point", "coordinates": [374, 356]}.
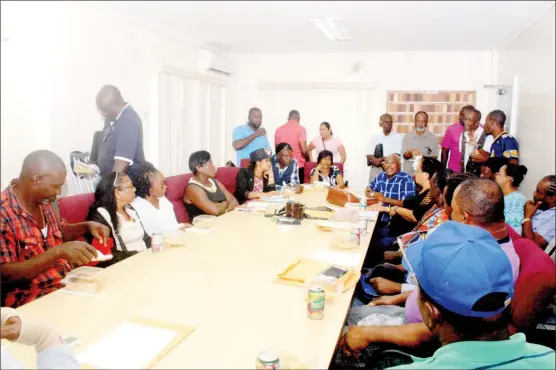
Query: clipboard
{"type": "Point", "coordinates": [181, 331]}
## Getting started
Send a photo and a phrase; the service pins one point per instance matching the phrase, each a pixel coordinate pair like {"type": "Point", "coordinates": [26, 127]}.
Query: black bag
{"type": "Point", "coordinates": [377, 356]}
{"type": "Point", "coordinates": [120, 255]}
{"type": "Point", "coordinates": [379, 151]}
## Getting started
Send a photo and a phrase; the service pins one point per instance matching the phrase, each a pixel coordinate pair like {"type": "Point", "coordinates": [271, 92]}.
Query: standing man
{"type": "Point", "coordinates": [35, 248]}
{"type": "Point", "coordinates": [382, 145]}
{"type": "Point", "coordinates": [451, 142]}
{"type": "Point", "coordinates": [121, 144]}
{"type": "Point", "coordinates": [296, 136]}
{"type": "Point", "coordinates": [250, 137]}
{"type": "Point", "coordinates": [418, 143]}
{"type": "Point", "coordinates": [473, 137]}
{"type": "Point", "coordinates": [503, 144]}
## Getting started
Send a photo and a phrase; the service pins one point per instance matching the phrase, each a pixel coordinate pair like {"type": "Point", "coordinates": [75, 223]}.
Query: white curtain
{"type": "Point", "coordinates": [191, 115]}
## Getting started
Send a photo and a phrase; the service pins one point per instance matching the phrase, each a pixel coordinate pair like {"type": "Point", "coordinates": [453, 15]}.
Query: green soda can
{"type": "Point", "coordinates": [315, 303]}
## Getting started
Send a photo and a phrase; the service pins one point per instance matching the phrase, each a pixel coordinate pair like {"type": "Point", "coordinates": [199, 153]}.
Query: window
{"type": "Point", "coordinates": [191, 117]}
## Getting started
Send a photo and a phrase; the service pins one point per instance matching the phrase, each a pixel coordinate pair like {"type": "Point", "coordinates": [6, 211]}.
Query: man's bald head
{"type": "Point", "coordinates": [41, 162]}
{"type": "Point", "coordinates": [392, 165]}
{"type": "Point", "coordinates": [110, 101]}
{"type": "Point", "coordinates": [42, 176]}
{"type": "Point", "coordinates": [478, 201]}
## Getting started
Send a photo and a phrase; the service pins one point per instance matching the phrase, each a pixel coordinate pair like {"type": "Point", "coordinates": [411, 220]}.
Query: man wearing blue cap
{"type": "Point", "coordinates": [465, 285]}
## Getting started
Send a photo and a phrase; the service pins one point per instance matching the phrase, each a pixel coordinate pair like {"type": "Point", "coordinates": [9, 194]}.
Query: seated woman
{"type": "Point", "coordinates": [156, 212]}
{"type": "Point", "coordinates": [204, 195]}
{"type": "Point", "coordinates": [112, 207]}
{"type": "Point", "coordinates": [509, 178]}
{"type": "Point", "coordinates": [326, 172]}
{"type": "Point", "coordinates": [253, 182]}
{"type": "Point", "coordinates": [404, 218]}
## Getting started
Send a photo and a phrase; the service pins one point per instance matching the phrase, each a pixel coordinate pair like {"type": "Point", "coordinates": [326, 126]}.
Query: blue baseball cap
{"type": "Point", "coordinates": [463, 269]}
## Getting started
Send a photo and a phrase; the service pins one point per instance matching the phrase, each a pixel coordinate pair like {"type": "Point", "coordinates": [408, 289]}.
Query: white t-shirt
{"type": "Point", "coordinates": [390, 144]}
{"type": "Point", "coordinates": [131, 233]}
{"type": "Point", "coordinates": [156, 220]}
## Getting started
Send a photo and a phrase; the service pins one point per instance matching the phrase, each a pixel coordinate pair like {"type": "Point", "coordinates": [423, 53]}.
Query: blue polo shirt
{"type": "Point", "coordinates": [504, 146]}
{"type": "Point", "coordinates": [243, 131]}
{"type": "Point", "coordinates": [514, 353]}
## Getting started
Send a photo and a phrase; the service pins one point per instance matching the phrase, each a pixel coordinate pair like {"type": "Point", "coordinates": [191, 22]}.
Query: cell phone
{"type": "Point", "coordinates": [334, 271]}
{"type": "Point", "coordinates": [72, 341]}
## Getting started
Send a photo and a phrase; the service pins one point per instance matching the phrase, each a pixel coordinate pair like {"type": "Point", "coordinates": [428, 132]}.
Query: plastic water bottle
{"type": "Point", "coordinates": [362, 220]}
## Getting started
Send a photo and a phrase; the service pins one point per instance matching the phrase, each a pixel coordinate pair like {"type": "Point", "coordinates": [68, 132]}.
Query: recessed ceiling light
{"type": "Point", "coordinates": [332, 29]}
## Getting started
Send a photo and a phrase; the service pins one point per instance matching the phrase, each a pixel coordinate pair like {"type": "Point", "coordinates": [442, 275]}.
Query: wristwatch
{"type": "Point", "coordinates": [525, 220]}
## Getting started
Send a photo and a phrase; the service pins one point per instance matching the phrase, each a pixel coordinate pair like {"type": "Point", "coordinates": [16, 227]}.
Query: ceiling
{"type": "Point", "coordinates": [284, 26]}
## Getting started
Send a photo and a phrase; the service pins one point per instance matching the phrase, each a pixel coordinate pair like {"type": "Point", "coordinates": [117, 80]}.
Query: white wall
{"type": "Point", "coordinates": [390, 71]}
{"type": "Point", "coordinates": [57, 58]}
{"type": "Point", "coordinates": [531, 56]}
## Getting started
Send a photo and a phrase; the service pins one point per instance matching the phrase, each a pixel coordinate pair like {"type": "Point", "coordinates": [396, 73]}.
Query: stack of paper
{"type": "Point", "coordinates": [131, 346]}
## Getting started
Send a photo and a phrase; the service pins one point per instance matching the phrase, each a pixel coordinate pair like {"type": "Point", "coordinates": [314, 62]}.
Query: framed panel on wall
{"type": "Point", "coordinates": [442, 107]}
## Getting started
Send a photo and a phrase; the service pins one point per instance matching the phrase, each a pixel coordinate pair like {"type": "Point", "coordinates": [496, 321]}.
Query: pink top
{"type": "Point", "coordinates": [292, 133]}
{"type": "Point", "coordinates": [331, 144]}
{"type": "Point", "coordinates": [451, 141]}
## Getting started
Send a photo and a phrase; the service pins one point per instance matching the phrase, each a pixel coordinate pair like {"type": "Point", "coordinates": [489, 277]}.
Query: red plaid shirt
{"type": "Point", "coordinates": [22, 239]}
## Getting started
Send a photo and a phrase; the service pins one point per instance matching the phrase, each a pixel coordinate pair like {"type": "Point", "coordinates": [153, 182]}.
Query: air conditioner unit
{"type": "Point", "coordinates": [212, 62]}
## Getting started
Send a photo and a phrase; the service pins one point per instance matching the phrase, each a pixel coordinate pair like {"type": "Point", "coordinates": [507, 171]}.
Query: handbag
{"type": "Point", "coordinates": [340, 198]}
{"type": "Point", "coordinates": [120, 255]}
{"type": "Point", "coordinates": [377, 356]}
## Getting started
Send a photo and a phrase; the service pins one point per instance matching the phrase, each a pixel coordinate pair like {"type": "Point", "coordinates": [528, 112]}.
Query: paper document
{"type": "Point", "coordinates": [131, 346]}
{"type": "Point", "coordinates": [338, 258]}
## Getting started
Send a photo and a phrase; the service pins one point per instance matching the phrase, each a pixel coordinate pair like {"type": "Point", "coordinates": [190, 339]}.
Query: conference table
{"type": "Point", "coordinates": [220, 283]}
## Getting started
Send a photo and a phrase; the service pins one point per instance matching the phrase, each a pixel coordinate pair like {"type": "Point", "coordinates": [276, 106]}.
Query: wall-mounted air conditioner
{"type": "Point", "coordinates": [209, 61]}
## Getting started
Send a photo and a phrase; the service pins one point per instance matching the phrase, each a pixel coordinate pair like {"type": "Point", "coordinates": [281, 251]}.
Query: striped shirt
{"type": "Point", "coordinates": [398, 187]}
{"type": "Point", "coordinates": [244, 131]}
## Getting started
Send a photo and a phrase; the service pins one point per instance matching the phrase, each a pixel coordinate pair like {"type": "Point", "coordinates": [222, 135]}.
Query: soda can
{"type": "Point", "coordinates": [315, 303]}
{"type": "Point", "coordinates": [268, 360]}
{"type": "Point", "coordinates": [157, 242]}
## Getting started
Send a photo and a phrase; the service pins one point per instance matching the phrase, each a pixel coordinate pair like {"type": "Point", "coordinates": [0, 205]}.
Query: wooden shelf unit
{"type": "Point", "coordinates": [442, 107]}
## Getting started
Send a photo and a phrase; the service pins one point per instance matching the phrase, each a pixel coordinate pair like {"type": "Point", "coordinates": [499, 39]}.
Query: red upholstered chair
{"type": "Point", "coordinates": [227, 176]}
{"type": "Point", "coordinates": [245, 163]}
{"type": "Point", "coordinates": [310, 165]}
{"type": "Point", "coordinates": [535, 286]}
{"type": "Point", "coordinates": [74, 209]}
{"type": "Point", "coordinates": [174, 193]}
